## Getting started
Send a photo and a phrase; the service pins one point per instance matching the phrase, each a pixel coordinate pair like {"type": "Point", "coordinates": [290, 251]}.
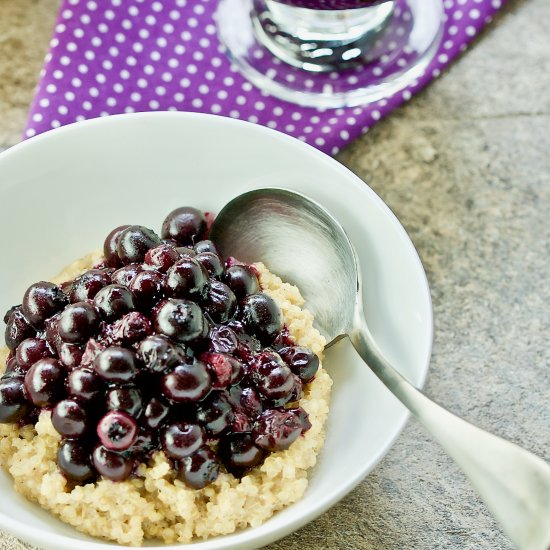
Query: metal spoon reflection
{"type": "Point", "coordinates": [302, 243]}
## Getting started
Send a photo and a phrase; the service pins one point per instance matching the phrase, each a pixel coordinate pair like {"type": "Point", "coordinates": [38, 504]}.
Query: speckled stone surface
{"type": "Point", "coordinates": [466, 168]}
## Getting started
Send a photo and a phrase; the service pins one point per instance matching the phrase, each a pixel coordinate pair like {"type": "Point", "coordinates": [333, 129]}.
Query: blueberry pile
{"type": "Point", "coordinates": [161, 346]}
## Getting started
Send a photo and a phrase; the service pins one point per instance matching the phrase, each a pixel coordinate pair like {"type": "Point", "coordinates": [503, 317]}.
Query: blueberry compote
{"type": "Point", "coordinates": [163, 346]}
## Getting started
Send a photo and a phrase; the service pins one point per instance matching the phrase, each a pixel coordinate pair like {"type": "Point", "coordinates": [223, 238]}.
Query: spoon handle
{"type": "Point", "coordinates": [514, 483]}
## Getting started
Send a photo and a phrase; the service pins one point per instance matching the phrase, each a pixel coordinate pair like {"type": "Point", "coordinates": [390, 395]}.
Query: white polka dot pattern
{"type": "Point", "coordinates": [122, 56]}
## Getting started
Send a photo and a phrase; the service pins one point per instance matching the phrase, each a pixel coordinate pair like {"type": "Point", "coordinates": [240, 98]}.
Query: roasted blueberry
{"type": "Point", "coordinates": [247, 344]}
{"type": "Point", "coordinates": [12, 368]}
{"type": "Point", "coordinates": [187, 383]}
{"type": "Point", "coordinates": [211, 262]}
{"type": "Point", "coordinates": [145, 442]}
{"type": "Point", "coordinates": [220, 302]}
{"type": "Point", "coordinates": [295, 394]}
{"type": "Point", "coordinates": [30, 351]}
{"type": "Point", "coordinates": [78, 322]}
{"type": "Point", "coordinates": [187, 279]}
{"type": "Point", "coordinates": [74, 461]}
{"type": "Point", "coordinates": [206, 246]}
{"type": "Point", "coordinates": [216, 414]}
{"type": "Point", "coordinates": [132, 328]}
{"type": "Point", "coordinates": [87, 285]}
{"type": "Point", "coordinates": [65, 287]}
{"type": "Point", "coordinates": [283, 339]}
{"type": "Point", "coordinates": [113, 301]}
{"type": "Point", "coordinates": [117, 430]}
{"type": "Point", "coordinates": [275, 430]}
{"type": "Point", "coordinates": [18, 329]}
{"type": "Point", "coordinates": [125, 398]}
{"type": "Point", "coordinates": [125, 275]}
{"type": "Point", "coordinates": [70, 418]}
{"type": "Point", "coordinates": [246, 406]}
{"type": "Point", "coordinates": [181, 439]}
{"type": "Point", "coordinates": [241, 422]}
{"type": "Point", "coordinates": [163, 257]}
{"type": "Point", "coordinates": [272, 376]}
{"type": "Point", "coordinates": [147, 288]}
{"type": "Point", "coordinates": [110, 247]}
{"type": "Point", "coordinates": [51, 332]}
{"type": "Point", "coordinates": [9, 312]}
{"type": "Point", "coordinates": [186, 225]}
{"type": "Point", "coordinates": [200, 469]}
{"type": "Point", "coordinates": [134, 242]}
{"type": "Point", "coordinates": [70, 355]}
{"type": "Point", "coordinates": [301, 361]}
{"type": "Point", "coordinates": [92, 349]}
{"type": "Point", "coordinates": [84, 384]}
{"type": "Point", "coordinates": [44, 382]}
{"type": "Point", "coordinates": [13, 402]}
{"type": "Point", "coordinates": [239, 452]}
{"type": "Point", "coordinates": [41, 301]}
{"type": "Point", "coordinates": [116, 365]}
{"type": "Point", "coordinates": [158, 353]}
{"type": "Point", "coordinates": [111, 465]}
{"type": "Point", "coordinates": [181, 320]}
{"type": "Point", "coordinates": [186, 252]}
{"type": "Point", "coordinates": [227, 370]}
{"type": "Point", "coordinates": [246, 399]}
{"type": "Point", "coordinates": [155, 413]}
{"type": "Point", "coordinates": [170, 242]}
{"type": "Point", "coordinates": [302, 417]}
{"type": "Point", "coordinates": [242, 280]}
{"type": "Point", "coordinates": [222, 339]}
{"type": "Point", "coordinates": [262, 316]}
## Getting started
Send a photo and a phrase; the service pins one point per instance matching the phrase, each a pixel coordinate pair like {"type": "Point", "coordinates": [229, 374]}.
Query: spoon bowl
{"type": "Point", "coordinates": [300, 241]}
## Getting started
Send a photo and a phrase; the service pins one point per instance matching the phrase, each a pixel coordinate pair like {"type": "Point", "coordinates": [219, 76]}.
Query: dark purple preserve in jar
{"type": "Point", "coordinates": [331, 4]}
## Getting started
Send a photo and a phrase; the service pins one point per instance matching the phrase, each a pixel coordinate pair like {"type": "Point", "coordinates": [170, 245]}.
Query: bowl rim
{"type": "Point", "coordinates": [273, 532]}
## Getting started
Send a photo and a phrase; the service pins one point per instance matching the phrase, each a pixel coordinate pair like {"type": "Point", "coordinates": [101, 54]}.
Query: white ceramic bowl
{"type": "Point", "coordinates": [61, 193]}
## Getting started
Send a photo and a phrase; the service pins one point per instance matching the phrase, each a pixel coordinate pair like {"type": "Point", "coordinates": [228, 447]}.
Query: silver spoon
{"type": "Point", "coordinates": [302, 243]}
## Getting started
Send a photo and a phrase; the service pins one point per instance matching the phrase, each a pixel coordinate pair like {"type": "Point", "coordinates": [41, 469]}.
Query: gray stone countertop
{"type": "Point", "coordinates": [465, 166]}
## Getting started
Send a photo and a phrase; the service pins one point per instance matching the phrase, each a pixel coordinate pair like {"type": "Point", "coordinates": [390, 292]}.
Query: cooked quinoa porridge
{"type": "Point", "coordinates": [154, 502]}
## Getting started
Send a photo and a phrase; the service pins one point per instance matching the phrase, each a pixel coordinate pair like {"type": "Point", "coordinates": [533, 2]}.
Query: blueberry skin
{"type": "Point", "coordinates": [262, 316]}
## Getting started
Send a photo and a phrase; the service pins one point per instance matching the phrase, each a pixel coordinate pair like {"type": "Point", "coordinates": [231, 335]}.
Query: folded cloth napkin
{"type": "Point", "coordinates": [116, 56]}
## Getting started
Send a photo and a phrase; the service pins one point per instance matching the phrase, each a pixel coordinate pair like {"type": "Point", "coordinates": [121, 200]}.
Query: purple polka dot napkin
{"type": "Point", "coordinates": [117, 56]}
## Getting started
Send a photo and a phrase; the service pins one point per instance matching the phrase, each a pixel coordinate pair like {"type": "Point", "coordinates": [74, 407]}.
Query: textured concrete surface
{"type": "Point", "coordinates": [466, 168]}
{"type": "Point", "coordinates": [26, 27]}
